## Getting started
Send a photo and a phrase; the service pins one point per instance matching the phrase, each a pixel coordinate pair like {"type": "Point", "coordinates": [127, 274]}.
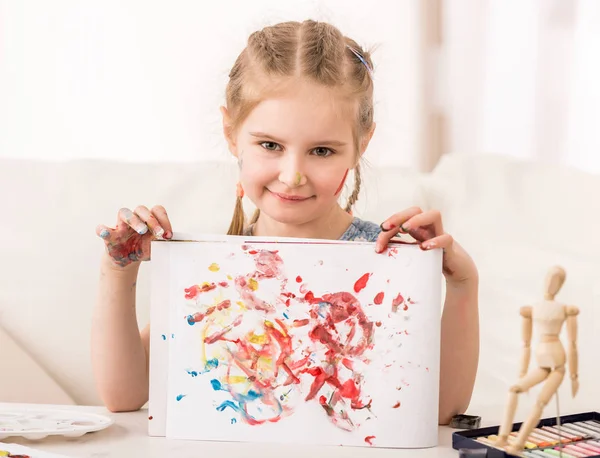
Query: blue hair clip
{"type": "Point", "coordinates": [362, 59]}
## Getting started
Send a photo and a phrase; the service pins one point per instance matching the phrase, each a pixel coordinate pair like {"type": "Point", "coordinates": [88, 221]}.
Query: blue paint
{"type": "Point", "coordinates": [323, 305]}
{"type": "Point", "coordinates": [212, 364]}
{"type": "Point", "coordinates": [104, 234]}
{"type": "Point", "coordinates": [164, 337]}
{"type": "Point", "coordinates": [172, 336]}
{"type": "Point", "coordinates": [192, 373]}
{"type": "Point", "coordinates": [252, 395]}
{"type": "Point", "coordinates": [216, 385]}
{"type": "Point", "coordinates": [190, 320]}
{"type": "Point", "coordinates": [286, 315]}
{"type": "Point", "coordinates": [180, 397]}
{"type": "Point", "coordinates": [233, 421]}
{"type": "Point", "coordinates": [229, 404]}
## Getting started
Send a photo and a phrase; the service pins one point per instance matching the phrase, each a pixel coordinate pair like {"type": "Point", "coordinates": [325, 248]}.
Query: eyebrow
{"type": "Point", "coordinates": [276, 140]}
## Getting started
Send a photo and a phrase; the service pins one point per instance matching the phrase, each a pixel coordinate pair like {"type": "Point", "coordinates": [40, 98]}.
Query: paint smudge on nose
{"type": "Point", "coordinates": [379, 298]}
{"type": "Point", "coordinates": [398, 300]}
{"type": "Point", "coordinates": [214, 267]}
{"type": "Point", "coordinates": [395, 406]}
{"type": "Point", "coordinates": [361, 283]}
{"type": "Point", "coordinates": [180, 397]}
{"type": "Point", "coordinates": [369, 440]}
{"type": "Point", "coordinates": [298, 178]}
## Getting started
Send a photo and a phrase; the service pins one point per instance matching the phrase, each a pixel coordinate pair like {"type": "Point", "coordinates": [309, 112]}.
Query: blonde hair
{"type": "Point", "coordinates": [310, 49]}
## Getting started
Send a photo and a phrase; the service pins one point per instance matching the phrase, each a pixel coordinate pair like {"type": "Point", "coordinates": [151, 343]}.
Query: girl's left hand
{"type": "Point", "coordinates": [427, 229]}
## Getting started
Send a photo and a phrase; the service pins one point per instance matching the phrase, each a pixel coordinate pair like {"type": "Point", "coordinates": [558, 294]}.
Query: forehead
{"type": "Point", "coordinates": [304, 110]}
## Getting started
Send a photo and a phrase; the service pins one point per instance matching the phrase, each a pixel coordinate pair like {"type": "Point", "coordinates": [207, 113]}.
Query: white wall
{"type": "Point", "coordinates": [143, 81]}
{"type": "Point", "coordinates": [523, 78]}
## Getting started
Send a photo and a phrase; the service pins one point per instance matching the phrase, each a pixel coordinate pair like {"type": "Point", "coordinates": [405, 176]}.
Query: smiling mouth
{"type": "Point", "coordinates": [289, 197]}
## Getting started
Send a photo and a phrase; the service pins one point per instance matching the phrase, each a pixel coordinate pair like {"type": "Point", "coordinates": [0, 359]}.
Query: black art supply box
{"type": "Point", "coordinates": [467, 439]}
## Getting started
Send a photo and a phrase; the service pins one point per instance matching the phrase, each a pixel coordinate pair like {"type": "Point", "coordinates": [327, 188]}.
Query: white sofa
{"type": "Point", "coordinates": [515, 218]}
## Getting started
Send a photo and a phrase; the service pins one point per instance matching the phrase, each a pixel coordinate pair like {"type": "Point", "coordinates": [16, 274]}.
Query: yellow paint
{"type": "Point", "coordinates": [229, 277]}
{"type": "Point", "coordinates": [298, 178]}
{"type": "Point", "coordinates": [4, 453]}
{"type": "Point", "coordinates": [237, 379]}
{"type": "Point", "coordinates": [214, 267]}
{"type": "Point", "coordinates": [257, 339]}
{"type": "Point", "coordinates": [253, 284]}
{"type": "Point", "coordinates": [242, 305]}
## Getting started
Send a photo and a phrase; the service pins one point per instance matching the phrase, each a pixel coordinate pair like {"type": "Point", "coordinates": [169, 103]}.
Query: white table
{"type": "Point", "coordinates": [127, 437]}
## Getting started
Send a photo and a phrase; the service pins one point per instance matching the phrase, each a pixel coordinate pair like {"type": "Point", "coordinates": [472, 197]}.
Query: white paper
{"type": "Point", "coordinates": [382, 394]}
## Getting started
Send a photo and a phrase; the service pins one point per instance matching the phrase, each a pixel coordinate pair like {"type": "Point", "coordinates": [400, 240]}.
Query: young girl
{"type": "Point", "coordinates": [298, 117]}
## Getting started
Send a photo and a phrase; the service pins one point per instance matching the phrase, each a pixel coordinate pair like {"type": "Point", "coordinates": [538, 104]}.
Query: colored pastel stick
{"type": "Point", "coordinates": [527, 444]}
{"type": "Point", "coordinates": [552, 452]}
{"type": "Point", "coordinates": [585, 427]}
{"type": "Point", "coordinates": [562, 433]}
{"type": "Point", "coordinates": [590, 447]}
{"type": "Point", "coordinates": [576, 429]}
{"type": "Point", "coordinates": [592, 424]}
{"type": "Point", "coordinates": [579, 449]}
{"type": "Point", "coordinates": [552, 436]}
{"type": "Point", "coordinates": [575, 452]}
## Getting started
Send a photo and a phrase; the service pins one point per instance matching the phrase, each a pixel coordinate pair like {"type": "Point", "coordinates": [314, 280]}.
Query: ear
{"type": "Point", "coordinates": [366, 140]}
{"type": "Point", "coordinates": [228, 131]}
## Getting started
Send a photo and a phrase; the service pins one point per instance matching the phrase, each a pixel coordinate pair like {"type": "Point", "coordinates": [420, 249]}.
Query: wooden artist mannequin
{"type": "Point", "coordinates": [548, 317]}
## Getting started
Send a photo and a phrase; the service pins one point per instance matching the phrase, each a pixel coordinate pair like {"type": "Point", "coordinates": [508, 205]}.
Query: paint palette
{"type": "Point", "coordinates": [35, 424]}
{"type": "Point", "coordinates": [576, 436]}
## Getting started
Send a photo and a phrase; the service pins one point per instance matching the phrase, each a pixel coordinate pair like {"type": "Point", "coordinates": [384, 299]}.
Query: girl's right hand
{"type": "Point", "coordinates": [130, 241]}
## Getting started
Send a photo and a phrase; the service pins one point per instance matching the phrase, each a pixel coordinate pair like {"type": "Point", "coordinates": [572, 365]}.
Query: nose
{"type": "Point", "coordinates": [291, 172]}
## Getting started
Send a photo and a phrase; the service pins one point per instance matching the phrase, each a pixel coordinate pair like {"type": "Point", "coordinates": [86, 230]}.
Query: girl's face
{"type": "Point", "coordinates": [294, 152]}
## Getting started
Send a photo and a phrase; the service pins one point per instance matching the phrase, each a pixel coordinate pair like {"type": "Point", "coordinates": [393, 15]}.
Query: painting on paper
{"type": "Point", "coordinates": [307, 343]}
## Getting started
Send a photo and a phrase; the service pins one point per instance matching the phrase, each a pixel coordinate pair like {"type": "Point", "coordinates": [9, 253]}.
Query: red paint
{"type": "Point", "coordinates": [396, 302]}
{"type": "Point", "coordinates": [361, 283]}
{"type": "Point", "coordinates": [298, 279]}
{"type": "Point", "coordinates": [150, 417]}
{"type": "Point", "coordinates": [223, 284]}
{"type": "Point", "coordinates": [379, 298]}
{"type": "Point", "coordinates": [193, 291]}
{"type": "Point", "coordinates": [392, 252]}
{"type": "Point", "coordinates": [378, 324]}
{"type": "Point", "coordinates": [369, 439]}
{"type": "Point", "coordinates": [338, 190]}
{"type": "Point", "coordinates": [252, 252]}
{"type": "Point", "coordinates": [396, 405]}
{"type": "Point", "coordinates": [348, 364]}
{"type": "Point", "coordinates": [298, 323]}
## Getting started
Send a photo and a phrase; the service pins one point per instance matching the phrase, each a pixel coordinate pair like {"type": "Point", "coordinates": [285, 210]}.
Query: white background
{"type": "Point", "coordinates": [143, 81]}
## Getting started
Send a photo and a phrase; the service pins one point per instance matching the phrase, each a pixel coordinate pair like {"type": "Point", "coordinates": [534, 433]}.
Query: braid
{"type": "Point", "coordinates": [354, 196]}
{"type": "Point", "coordinates": [236, 227]}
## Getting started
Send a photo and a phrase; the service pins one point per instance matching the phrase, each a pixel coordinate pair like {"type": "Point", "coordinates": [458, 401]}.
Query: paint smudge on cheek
{"type": "Point", "coordinates": [361, 283]}
{"type": "Point", "coordinates": [341, 185]}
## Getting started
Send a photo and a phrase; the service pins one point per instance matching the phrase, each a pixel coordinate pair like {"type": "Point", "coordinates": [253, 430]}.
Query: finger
{"type": "Point", "coordinates": [147, 217]}
{"type": "Point", "coordinates": [431, 219]}
{"type": "Point", "coordinates": [395, 221]}
{"type": "Point", "coordinates": [104, 232]}
{"type": "Point", "coordinates": [133, 221]}
{"type": "Point", "coordinates": [442, 241]}
{"type": "Point", "coordinates": [391, 226]}
{"type": "Point", "coordinates": [161, 215]}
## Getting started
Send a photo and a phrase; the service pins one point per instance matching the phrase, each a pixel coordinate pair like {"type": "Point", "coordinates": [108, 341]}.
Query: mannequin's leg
{"type": "Point", "coordinates": [552, 383]}
{"type": "Point", "coordinates": [536, 376]}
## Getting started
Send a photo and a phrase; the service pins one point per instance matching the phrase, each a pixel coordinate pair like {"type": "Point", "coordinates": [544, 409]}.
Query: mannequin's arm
{"type": "Point", "coordinates": [526, 335]}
